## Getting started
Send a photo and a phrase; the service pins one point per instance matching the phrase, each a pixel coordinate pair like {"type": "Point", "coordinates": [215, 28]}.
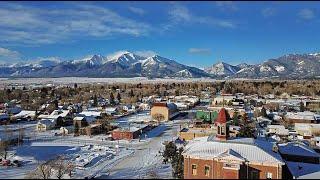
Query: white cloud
{"type": "Point", "coordinates": [306, 14]}
{"type": "Point", "coordinates": [201, 51]}
{"type": "Point", "coordinates": [145, 53]}
{"type": "Point", "coordinates": [9, 55]}
{"type": "Point", "coordinates": [181, 14]}
{"type": "Point", "coordinates": [35, 25]}
{"type": "Point", "coordinates": [267, 12]}
{"type": "Point", "coordinates": [136, 10]}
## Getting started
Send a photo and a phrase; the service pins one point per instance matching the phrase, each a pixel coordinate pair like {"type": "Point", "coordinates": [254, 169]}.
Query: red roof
{"type": "Point", "coordinates": [222, 116]}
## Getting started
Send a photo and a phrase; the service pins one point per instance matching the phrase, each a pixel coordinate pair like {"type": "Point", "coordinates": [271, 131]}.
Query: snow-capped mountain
{"type": "Point", "coordinates": [121, 64]}
{"type": "Point", "coordinates": [127, 64]}
{"type": "Point", "coordinates": [222, 69]}
{"type": "Point", "coordinates": [294, 66]}
{"type": "Point", "coordinates": [91, 60]}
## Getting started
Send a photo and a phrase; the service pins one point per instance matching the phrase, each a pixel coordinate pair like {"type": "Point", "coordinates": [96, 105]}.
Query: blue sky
{"type": "Point", "coordinates": [193, 33]}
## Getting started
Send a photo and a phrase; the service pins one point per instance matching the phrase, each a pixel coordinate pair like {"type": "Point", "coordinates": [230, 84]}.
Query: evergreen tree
{"type": "Point", "coordinates": [264, 112]}
{"type": "Point", "coordinates": [76, 129]}
{"type": "Point", "coordinates": [235, 119]}
{"type": "Point", "coordinates": [111, 98]}
{"type": "Point", "coordinates": [56, 104]}
{"type": "Point", "coordinates": [177, 164]}
{"type": "Point", "coordinates": [131, 94]}
{"type": "Point", "coordinates": [302, 108]}
{"type": "Point", "coordinates": [119, 96]}
{"type": "Point", "coordinates": [95, 101]}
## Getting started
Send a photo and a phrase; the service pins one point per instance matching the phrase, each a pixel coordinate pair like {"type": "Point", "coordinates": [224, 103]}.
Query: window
{"type": "Point", "coordinates": [194, 169]}
{"type": "Point", "coordinates": [222, 130]}
{"type": "Point", "coordinates": [218, 129]}
{"type": "Point", "coordinates": [206, 170]}
{"type": "Point", "coordinates": [254, 174]}
{"type": "Point", "coordinates": [269, 175]}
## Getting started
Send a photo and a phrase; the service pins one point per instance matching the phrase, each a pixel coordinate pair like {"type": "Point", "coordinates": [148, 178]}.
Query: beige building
{"type": "Point", "coordinates": [166, 110]}
{"type": "Point", "coordinates": [194, 132]}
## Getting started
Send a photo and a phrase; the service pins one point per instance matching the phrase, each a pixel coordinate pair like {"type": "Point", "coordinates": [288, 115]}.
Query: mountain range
{"type": "Point", "coordinates": [128, 64]}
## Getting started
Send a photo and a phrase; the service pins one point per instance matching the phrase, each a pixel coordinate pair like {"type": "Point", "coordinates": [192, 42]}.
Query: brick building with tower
{"type": "Point", "coordinates": [225, 157]}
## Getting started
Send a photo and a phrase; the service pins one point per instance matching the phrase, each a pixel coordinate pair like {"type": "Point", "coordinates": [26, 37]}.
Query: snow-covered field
{"type": "Point", "coordinates": [95, 156]}
{"type": "Point", "coordinates": [81, 80]}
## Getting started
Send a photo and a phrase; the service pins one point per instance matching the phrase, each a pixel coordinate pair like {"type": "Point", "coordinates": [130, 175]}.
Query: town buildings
{"type": "Point", "coordinates": [221, 157]}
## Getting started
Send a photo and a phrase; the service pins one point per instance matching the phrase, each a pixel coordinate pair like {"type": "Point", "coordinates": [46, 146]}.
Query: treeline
{"type": "Point", "coordinates": [130, 93]}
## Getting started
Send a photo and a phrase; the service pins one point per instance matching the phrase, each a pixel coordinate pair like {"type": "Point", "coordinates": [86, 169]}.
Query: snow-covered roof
{"type": "Point", "coordinates": [306, 115]}
{"type": "Point", "coordinates": [25, 113]}
{"type": "Point", "coordinates": [276, 127]}
{"type": "Point", "coordinates": [253, 152]}
{"type": "Point", "coordinates": [79, 118]}
{"type": "Point", "coordinates": [47, 122]}
{"type": "Point", "coordinates": [111, 109]}
{"type": "Point", "coordinates": [304, 170]}
{"type": "Point", "coordinates": [91, 113]}
{"type": "Point", "coordinates": [55, 114]}
{"type": "Point", "coordinates": [298, 149]}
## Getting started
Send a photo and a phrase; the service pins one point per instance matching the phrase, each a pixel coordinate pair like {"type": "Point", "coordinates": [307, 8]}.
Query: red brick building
{"type": "Point", "coordinates": [221, 157]}
{"type": "Point", "coordinates": [129, 133]}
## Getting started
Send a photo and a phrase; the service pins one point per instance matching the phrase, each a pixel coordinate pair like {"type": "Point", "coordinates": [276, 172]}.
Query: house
{"type": "Point", "coordinates": [144, 106]}
{"type": "Point", "coordinates": [190, 133]}
{"type": "Point", "coordinates": [66, 130]}
{"type": "Point", "coordinates": [208, 116]}
{"type": "Point", "coordinates": [301, 161]}
{"type": "Point", "coordinates": [91, 129]}
{"type": "Point", "coordinates": [278, 130]}
{"type": "Point", "coordinates": [129, 108]}
{"type": "Point", "coordinates": [111, 110]}
{"type": "Point", "coordinates": [91, 115]}
{"type": "Point", "coordinates": [167, 110]}
{"type": "Point", "coordinates": [129, 133]}
{"type": "Point", "coordinates": [223, 99]}
{"type": "Point", "coordinates": [181, 105]}
{"type": "Point", "coordinates": [61, 117]}
{"type": "Point", "coordinates": [81, 121]}
{"type": "Point", "coordinates": [307, 129]}
{"type": "Point", "coordinates": [46, 124]}
{"type": "Point", "coordinates": [25, 115]}
{"type": "Point", "coordinates": [56, 114]}
{"type": "Point", "coordinates": [220, 156]}
{"type": "Point", "coordinates": [302, 117]}
{"type": "Point", "coordinates": [298, 152]}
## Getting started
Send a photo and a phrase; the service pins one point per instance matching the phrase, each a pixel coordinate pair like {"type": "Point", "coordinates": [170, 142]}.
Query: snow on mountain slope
{"type": "Point", "coordinates": [91, 60]}
{"type": "Point", "coordinates": [222, 68]}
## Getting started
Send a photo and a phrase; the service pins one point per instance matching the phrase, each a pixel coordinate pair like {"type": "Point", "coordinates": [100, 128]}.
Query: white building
{"type": "Point", "coordinates": [46, 124]}
{"type": "Point", "coordinates": [277, 129]}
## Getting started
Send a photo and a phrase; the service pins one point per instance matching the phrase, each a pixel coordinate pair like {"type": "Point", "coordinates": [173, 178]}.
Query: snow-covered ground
{"type": "Point", "coordinates": [95, 156]}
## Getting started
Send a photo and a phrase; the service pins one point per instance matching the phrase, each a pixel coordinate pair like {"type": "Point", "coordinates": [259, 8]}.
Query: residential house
{"type": "Point", "coordinates": [111, 110]}
{"type": "Point", "coordinates": [278, 130]}
{"type": "Point", "coordinates": [66, 130]}
{"type": "Point", "coordinates": [129, 108]}
{"type": "Point", "coordinates": [46, 124]}
{"type": "Point", "coordinates": [302, 117]}
{"type": "Point", "coordinates": [25, 115]}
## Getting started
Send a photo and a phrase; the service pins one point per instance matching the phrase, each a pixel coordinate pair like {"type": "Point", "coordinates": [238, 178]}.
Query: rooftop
{"type": "Point", "coordinates": [251, 150]}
